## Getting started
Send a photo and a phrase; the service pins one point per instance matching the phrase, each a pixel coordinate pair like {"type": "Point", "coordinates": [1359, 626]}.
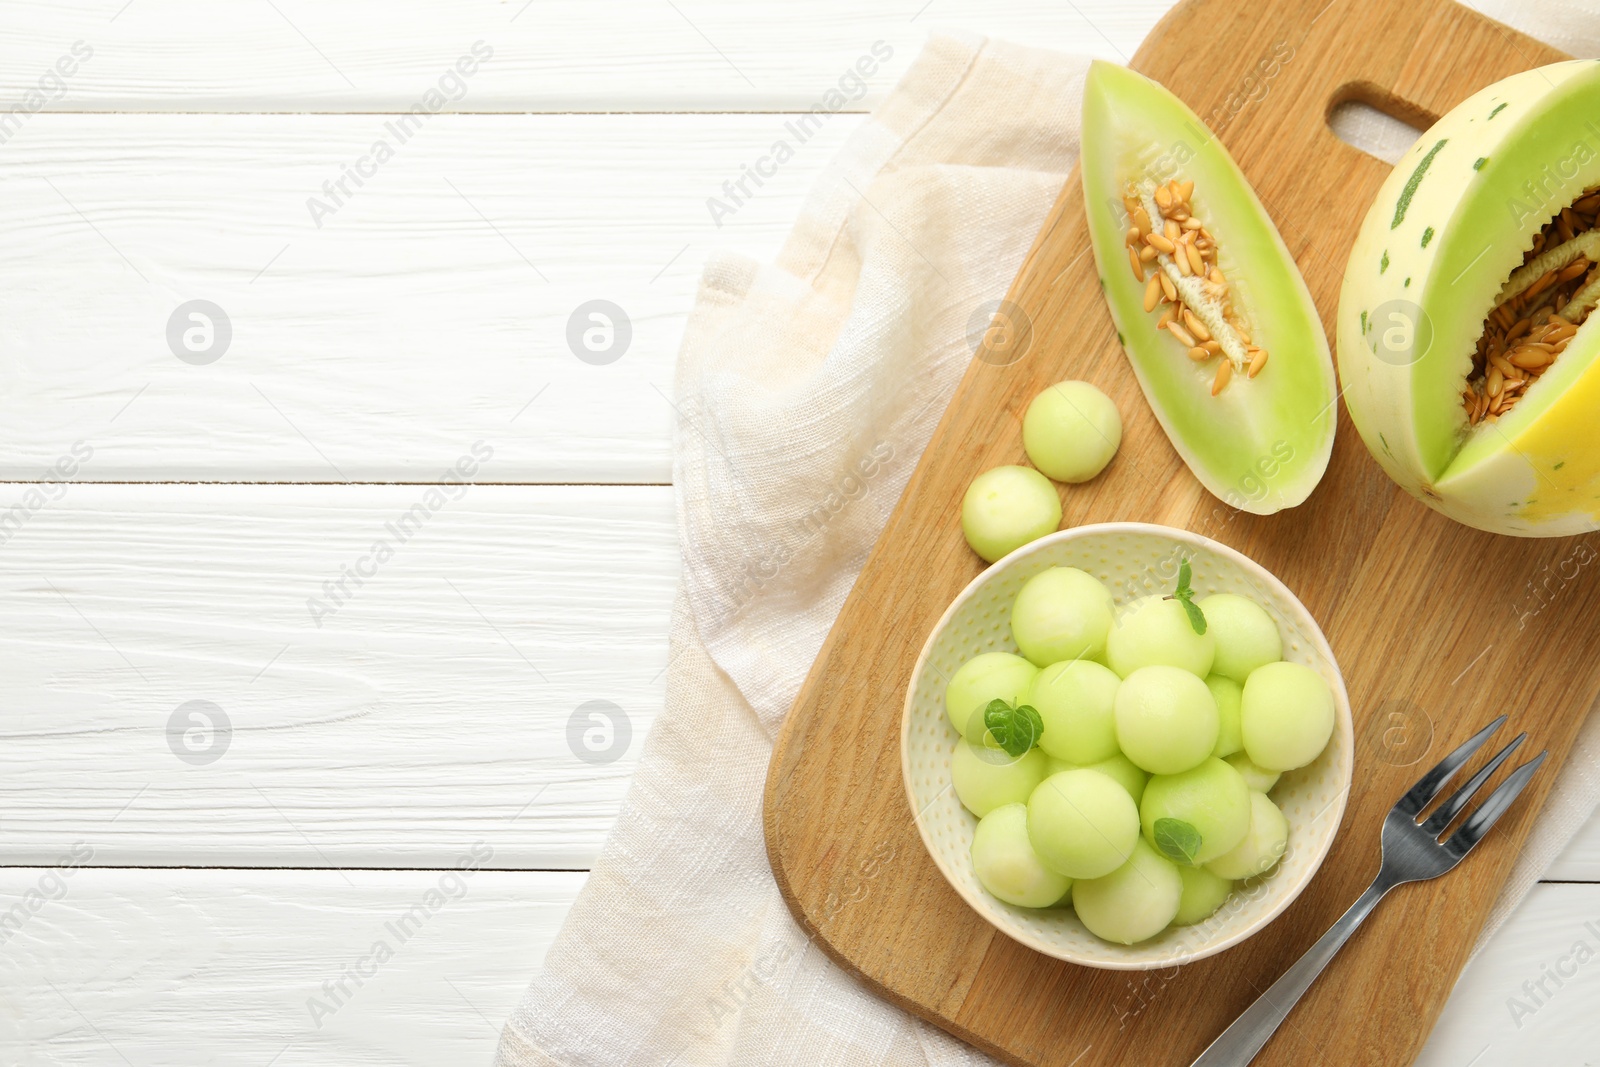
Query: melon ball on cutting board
{"type": "Point", "coordinates": [1071, 431]}
{"type": "Point", "coordinates": [1007, 507]}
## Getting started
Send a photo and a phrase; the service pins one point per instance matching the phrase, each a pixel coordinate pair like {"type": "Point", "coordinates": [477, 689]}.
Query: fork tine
{"type": "Point", "coordinates": [1430, 784]}
{"type": "Point", "coordinates": [1439, 820]}
{"type": "Point", "coordinates": [1482, 821]}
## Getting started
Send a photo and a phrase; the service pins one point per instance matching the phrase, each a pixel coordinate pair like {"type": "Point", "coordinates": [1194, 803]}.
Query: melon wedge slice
{"type": "Point", "coordinates": [1253, 413]}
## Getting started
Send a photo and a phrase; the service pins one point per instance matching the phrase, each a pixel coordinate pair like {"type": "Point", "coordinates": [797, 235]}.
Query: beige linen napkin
{"type": "Point", "coordinates": [806, 391]}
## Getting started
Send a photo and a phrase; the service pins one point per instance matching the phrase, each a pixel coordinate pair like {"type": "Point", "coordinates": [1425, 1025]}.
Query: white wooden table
{"type": "Point", "coordinates": [173, 895]}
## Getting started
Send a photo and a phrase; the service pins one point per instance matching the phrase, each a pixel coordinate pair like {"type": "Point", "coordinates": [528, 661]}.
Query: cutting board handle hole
{"type": "Point", "coordinates": [1375, 121]}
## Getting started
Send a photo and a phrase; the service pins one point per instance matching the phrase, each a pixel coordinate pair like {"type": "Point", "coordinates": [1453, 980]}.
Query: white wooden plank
{"type": "Point", "coordinates": [622, 55]}
{"type": "Point", "coordinates": [1493, 1020]}
{"type": "Point", "coordinates": [432, 705]}
{"type": "Point", "coordinates": [368, 741]}
{"type": "Point", "coordinates": [431, 310]}
{"type": "Point", "coordinates": [224, 967]}
{"type": "Point", "coordinates": [217, 967]}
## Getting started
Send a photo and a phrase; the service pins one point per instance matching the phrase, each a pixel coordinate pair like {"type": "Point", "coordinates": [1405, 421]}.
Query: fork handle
{"type": "Point", "coordinates": [1239, 1043]}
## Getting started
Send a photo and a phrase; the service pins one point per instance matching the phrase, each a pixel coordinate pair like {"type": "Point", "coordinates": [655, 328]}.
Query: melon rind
{"type": "Point", "coordinates": [1262, 444]}
{"type": "Point", "coordinates": [1499, 166]}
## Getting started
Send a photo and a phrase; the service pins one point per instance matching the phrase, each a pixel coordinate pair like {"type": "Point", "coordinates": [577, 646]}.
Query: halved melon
{"type": "Point", "coordinates": [1231, 357]}
{"type": "Point", "coordinates": [1465, 342]}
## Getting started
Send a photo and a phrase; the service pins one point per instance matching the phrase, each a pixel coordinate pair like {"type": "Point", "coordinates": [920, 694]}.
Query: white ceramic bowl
{"type": "Point", "coordinates": [1133, 559]}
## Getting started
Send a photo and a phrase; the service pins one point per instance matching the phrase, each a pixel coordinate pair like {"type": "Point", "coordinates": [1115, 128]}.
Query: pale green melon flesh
{"type": "Point", "coordinates": [1264, 442]}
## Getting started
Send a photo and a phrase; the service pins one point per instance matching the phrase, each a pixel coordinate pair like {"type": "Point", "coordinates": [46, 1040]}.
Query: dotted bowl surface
{"type": "Point", "coordinates": [1133, 560]}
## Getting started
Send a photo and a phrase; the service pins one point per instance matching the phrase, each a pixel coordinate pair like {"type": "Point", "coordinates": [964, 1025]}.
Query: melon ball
{"type": "Point", "coordinates": [1263, 845]}
{"type": "Point", "coordinates": [1134, 902]}
{"type": "Point", "coordinates": [1118, 768]}
{"type": "Point", "coordinates": [1082, 824]}
{"type": "Point", "coordinates": [1154, 630]}
{"type": "Point", "coordinates": [1006, 864]}
{"type": "Point", "coordinates": [1246, 636]}
{"type": "Point", "coordinates": [1124, 772]}
{"type": "Point", "coordinates": [1076, 701]}
{"type": "Point", "coordinates": [1071, 431]}
{"type": "Point", "coordinates": [1203, 893]}
{"type": "Point", "coordinates": [982, 679]}
{"type": "Point", "coordinates": [1060, 614]}
{"type": "Point", "coordinates": [1227, 693]}
{"type": "Point", "coordinates": [1199, 814]}
{"type": "Point", "coordinates": [1166, 719]}
{"type": "Point", "coordinates": [1286, 714]}
{"type": "Point", "coordinates": [987, 778]}
{"type": "Point", "coordinates": [1007, 507]}
{"type": "Point", "coordinates": [1259, 779]}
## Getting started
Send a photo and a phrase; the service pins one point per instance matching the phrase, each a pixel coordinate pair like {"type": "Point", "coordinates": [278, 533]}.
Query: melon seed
{"type": "Point", "coordinates": [1538, 310]}
{"type": "Point", "coordinates": [1186, 283]}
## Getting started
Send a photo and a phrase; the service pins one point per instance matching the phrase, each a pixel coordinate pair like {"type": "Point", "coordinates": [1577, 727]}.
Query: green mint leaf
{"type": "Point", "coordinates": [1177, 840]}
{"type": "Point", "coordinates": [1184, 594]}
{"type": "Point", "coordinates": [1014, 729]}
{"type": "Point", "coordinates": [997, 722]}
{"type": "Point", "coordinates": [1035, 723]}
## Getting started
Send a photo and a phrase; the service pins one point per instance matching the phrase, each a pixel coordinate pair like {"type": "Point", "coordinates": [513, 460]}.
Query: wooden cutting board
{"type": "Point", "coordinates": [1438, 628]}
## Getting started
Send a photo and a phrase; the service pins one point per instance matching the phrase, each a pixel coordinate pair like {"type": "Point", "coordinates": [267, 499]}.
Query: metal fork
{"type": "Point", "coordinates": [1412, 852]}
